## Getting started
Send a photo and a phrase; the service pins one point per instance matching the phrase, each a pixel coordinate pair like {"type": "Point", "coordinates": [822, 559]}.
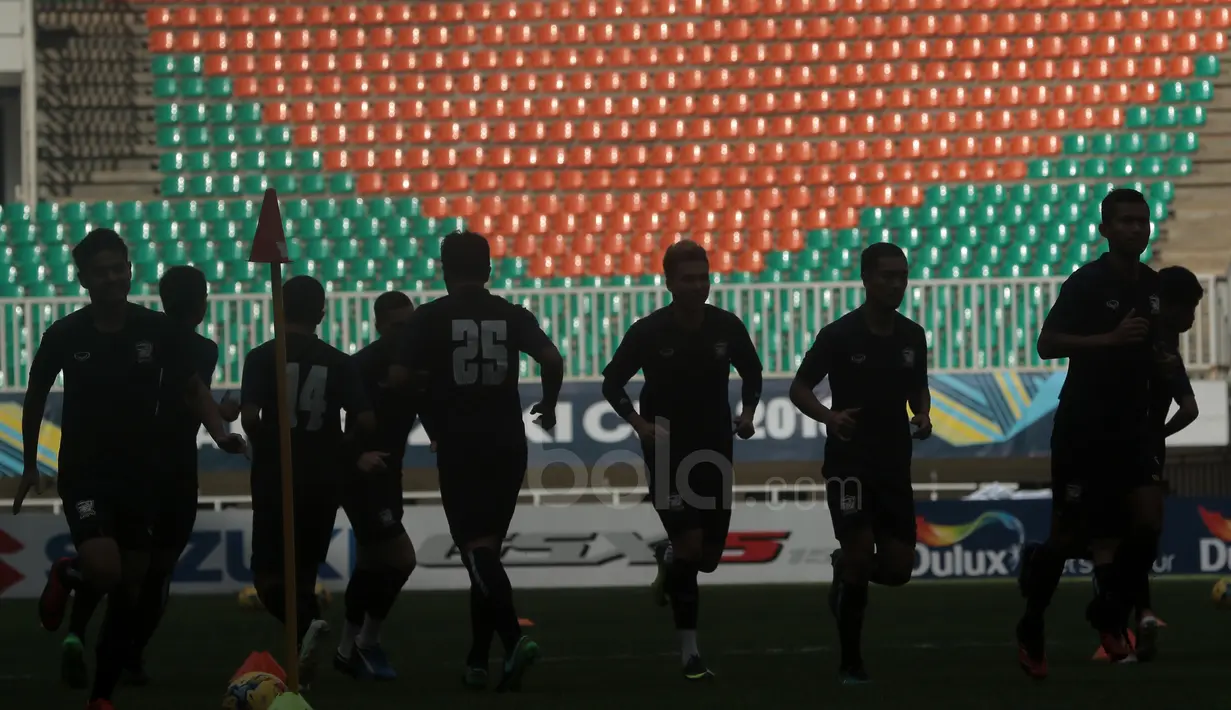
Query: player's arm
{"type": "Point", "coordinates": [43, 373]}
{"type": "Point", "coordinates": [256, 393]}
{"type": "Point", "coordinates": [814, 369]}
{"type": "Point", "coordinates": [920, 397]}
{"type": "Point", "coordinates": [1182, 392]}
{"type": "Point", "coordinates": [747, 363]}
{"type": "Point", "coordinates": [626, 362]}
{"type": "Point", "coordinates": [181, 369]}
{"type": "Point", "coordinates": [409, 370]}
{"type": "Point", "coordinates": [532, 341]}
{"type": "Point", "coordinates": [1066, 330]}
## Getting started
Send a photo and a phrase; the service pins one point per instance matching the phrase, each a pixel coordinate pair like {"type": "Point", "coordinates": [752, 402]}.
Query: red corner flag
{"type": "Point", "coordinates": [269, 242]}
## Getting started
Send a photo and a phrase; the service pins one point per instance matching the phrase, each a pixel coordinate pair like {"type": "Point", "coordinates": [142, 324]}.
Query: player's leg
{"type": "Point", "coordinates": [315, 517]}
{"type": "Point", "coordinates": [117, 635]}
{"type": "Point", "coordinates": [1108, 611]}
{"type": "Point", "coordinates": [895, 531]}
{"type": "Point", "coordinates": [1136, 555]}
{"type": "Point", "coordinates": [852, 507]}
{"type": "Point", "coordinates": [170, 533]}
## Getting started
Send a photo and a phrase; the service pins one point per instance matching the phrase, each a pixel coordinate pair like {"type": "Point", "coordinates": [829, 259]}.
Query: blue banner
{"type": "Point", "coordinates": [999, 414]}
{"type": "Point", "coordinates": [982, 539]}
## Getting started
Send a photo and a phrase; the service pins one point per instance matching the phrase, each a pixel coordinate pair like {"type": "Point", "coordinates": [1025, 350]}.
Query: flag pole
{"type": "Point", "coordinates": [269, 247]}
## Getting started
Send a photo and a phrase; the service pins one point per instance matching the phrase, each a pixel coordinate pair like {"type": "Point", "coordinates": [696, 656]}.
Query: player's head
{"type": "Point", "coordinates": [687, 269]}
{"type": "Point", "coordinates": [103, 268]}
{"type": "Point", "coordinates": [183, 292]}
{"type": "Point", "coordinates": [1179, 293]}
{"type": "Point", "coordinates": [391, 309]}
{"type": "Point", "coordinates": [1125, 222]}
{"type": "Point", "coordinates": [304, 301]}
{"type": "Point", "coordinates": [884, 271]}
{"type": "Point", "coordinates": [466, 259]}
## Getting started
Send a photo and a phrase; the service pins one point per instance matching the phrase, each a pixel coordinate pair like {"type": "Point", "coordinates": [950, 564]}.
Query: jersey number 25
{"type": "Point", "coordinates": [310, 398]}
{"type": "Point", "coordinates": [480, 355]}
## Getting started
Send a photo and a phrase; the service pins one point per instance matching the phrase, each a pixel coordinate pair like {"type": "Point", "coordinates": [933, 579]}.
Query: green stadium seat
{"type": "Point", "coordinates": [218, 87]}
{"type": "Point", "coordinates": [1172, 92]}
{"type": "Point", "coordinates": [1179, 166]}
{"type": "Point", "coordinates": [1192, 117]}
{"type": "Point", "coordinates": [1199, 91]}
{"type": "Point", "coordinates": [1206, 66]}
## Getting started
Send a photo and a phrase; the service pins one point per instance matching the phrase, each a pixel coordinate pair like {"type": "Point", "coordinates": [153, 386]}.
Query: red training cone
{"type": "Point", "coordinates": [260, 662]}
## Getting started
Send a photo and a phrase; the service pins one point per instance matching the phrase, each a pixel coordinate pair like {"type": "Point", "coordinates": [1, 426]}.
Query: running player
{"type": "Point", "coordinates": [463, 351]}
{"type": "Point", "coordinates": [876, 361]}
{"type": "Point", "coordinates": [686, 351]}
{"type": "Point", "coordinates": [373, 504]}
{"type": "Point", "coordinates": [1180, 292]}
{"type": "Point", "coordinates": [1103, 468]}
{"type": "Point", "coordinates": [321, 381]}
{"type": "Point", "coordinates": [121, 364]}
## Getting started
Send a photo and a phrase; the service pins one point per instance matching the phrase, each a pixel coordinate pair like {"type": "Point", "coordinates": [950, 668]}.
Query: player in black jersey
{"type": "Point", "coordinates": [121, 364]}
{"type": "Point", "coordinates": [876, 361]}
{"type": "Point", "coordinates": [462, 350]}
{"type": "Point", "coordinates": [1105, 321]}
{"type": "Point", "coordinates": [321, 382]}
{"type": "Point", "coordinates": [183, 291]}
{"type": "Point", "coordinates": [686, 428]}
{"type": "Point", "coordinates": [1179, 292]}
{"type": "Point", "coordinates": [373, 504]}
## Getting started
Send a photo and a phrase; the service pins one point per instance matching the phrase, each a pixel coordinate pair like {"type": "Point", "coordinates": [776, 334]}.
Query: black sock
{"type": "Point", "coordinates": [1109, 609]}
{"type": "Point", "coordinates": [359, 593]}
{"type": "Point", "coordinates": [387, 590]}
{"type": "Point", "coordinates": [150, 607]}
{"type": "Point", "coordinates": [1142, 595]}
{"type": "Point", "coordinates": [1134, 563]}
{"type": "Point", "coordinates": [85, 601]}
{"type": "Point", "coordinates": [309, 609]}
{"type": "Point", "coordinates": [481, 630]}
{"type": "Point", "coordinates": [274, 601]}
{"type": "Point", "coordinates": [71, 577]}
{"type": "Point", "coordinates": [684, 594]}
{"type": "Point", "coordinates": [488, 574]}
{"type": "Point", "coordinates": [1046, 568]}
{"type": "Point", "coordinates": [852, 600]}
{"type": "Point", "coordinates": [273, 598]}
{"type": "Point", "coordinates": [114, 644]}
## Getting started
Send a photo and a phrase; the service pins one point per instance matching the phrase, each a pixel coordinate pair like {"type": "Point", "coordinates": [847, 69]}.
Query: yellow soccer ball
{"type": "Point", "coordinates": [1221, 594]}
{"type": "Point", "coordinates": [249, 600]}
{"type": "Point", "coordinates": [253, 691]}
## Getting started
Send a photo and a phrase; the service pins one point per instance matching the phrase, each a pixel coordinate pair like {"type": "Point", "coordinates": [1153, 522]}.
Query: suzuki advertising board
{"type": "Point", "coordinates": [591, 545]}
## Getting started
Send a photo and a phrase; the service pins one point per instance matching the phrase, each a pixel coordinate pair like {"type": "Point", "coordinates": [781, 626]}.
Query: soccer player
{"type": "Point", "coordinates": [462, 350]}
{"type": "Point", "coordinates": [687, 432]}
{"type": "Point", "coordinates": [321, 382]}
{"type": "Point", "coordinates": [1102, 453]}
{"type": "Point", "coordinates": [121, 363]}
{"type": "Point", "coordinates": [876, 361]}
{"type": "Point", "coordinates": [1179, 292]}
{"type": "Point", "coordinates": [373, 504]}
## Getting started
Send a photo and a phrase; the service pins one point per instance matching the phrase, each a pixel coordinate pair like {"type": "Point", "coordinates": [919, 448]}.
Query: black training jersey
{"type": "Point", "coordinates": [114, 385]}
{"type": "Point", "coordinates": [1106, 392]}
{"type": "Point", "coordinates": [687, 372]}
{"type": "Point", "coordinates": [465, 348]}
{"type": "Point", "coordinates": [180, 424]}
{"type": "Point", "coordinates": [395, 413]}
{"type": "Point", "coordinates": [872, 373]}
{"type": "Point", "coordinates": [1167, 386]}
{"type": "Point", "coordinates": [321, 382]}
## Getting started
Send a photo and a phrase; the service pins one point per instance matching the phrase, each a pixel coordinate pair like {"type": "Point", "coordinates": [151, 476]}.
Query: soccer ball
{"type": "Point", "coordinates": [1221, 594]}
{"type": "Point", "coordinates": [253, 691]}
{"type": "Point", "coordinates": [323, 597]}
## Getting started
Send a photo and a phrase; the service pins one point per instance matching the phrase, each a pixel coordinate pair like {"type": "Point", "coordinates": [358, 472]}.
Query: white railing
{"type": "Point", "coordinates": [774, 494]}
{"type": "Point", "coordinates": [973, 324]}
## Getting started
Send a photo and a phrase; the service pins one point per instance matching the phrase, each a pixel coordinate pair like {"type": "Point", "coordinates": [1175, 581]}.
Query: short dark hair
{"type": "Point", "coordinates": [386, 303]}
{"type": "Point", "coordinates": [683, 252]}
{"type": "Point", "coordinates": [869, 260]}
{"type": "Point", "coordinates": [96, 242]}
{"type": "Point", "coordinates": [1178, 285]}
{"type": "Point", "coordinates": [183, 291]}
{"type": "Point", "coordinates": [304, 300]}
{"type": "Point", "coordinates": [466, 255]}
{"type": "Point", "coordinates": [1117, 197]}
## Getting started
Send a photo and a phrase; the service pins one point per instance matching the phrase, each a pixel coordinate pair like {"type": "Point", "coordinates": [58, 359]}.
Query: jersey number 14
{"type": "Point", "coordinates": [309, 398]}
{"type": "Point", "coordinates": [480, 355]}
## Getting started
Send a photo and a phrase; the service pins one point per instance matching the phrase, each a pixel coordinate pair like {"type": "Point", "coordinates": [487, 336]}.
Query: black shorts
{"type": "Point", "coordinates": [1091, 482]}
{"type": "Point", "coordinates": [479, 487]}
{"type": "Point", "coordinates": [316, 511]}
{"type": "Point", "coordinates": [880, 496]}
{"type": "Point", "coordinates": [373, 505]}
{"type": "Point", "coordinates": [690, 487]}
{"type": "Point", "coordinates": [100, 509]}
{"type": "Point", "coordinates": [175, 514]}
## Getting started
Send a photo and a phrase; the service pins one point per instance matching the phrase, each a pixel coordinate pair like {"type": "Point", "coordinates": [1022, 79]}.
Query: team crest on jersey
{"type": "Point", "coordinates": [85, 509]}
{"type": "Point", "coordinates": [666, 352]}
{"type": "Point", "coordinates": [1155, 306]}
{"type": "Point", "coordinates": [1113, 304]}
{"type": "Point", "coordinates": [908, 357]}
{"type": "Point", "coordinates": [858, 358]}
{"type": "Point", "coordinates": [145, 352]}
{"type": "Point", "coordinates": [720, 351]}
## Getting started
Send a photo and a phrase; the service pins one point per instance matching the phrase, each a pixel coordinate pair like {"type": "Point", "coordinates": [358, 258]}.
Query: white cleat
{"type": "Point", "coordinates": [309, 652]}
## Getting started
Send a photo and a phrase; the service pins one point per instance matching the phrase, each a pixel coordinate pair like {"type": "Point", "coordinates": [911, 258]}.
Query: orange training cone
{"type": "Point", "coordinates": [526, 623]}
{"type": "Point", "coordinates": [261, 662]}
